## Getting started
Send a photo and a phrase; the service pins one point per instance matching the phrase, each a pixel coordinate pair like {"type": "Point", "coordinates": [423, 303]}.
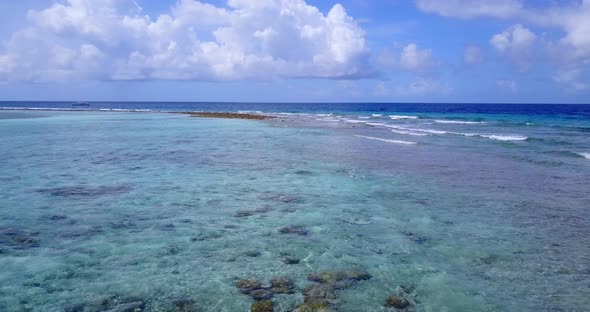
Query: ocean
{"type": "Point", "coordinates": [329, 207]}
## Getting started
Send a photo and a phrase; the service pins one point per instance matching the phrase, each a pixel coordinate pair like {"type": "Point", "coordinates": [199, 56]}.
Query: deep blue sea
{"type": "Point", "coordinates": [534, 109]}
{"type": "Point", "coordinates": [326, 207]}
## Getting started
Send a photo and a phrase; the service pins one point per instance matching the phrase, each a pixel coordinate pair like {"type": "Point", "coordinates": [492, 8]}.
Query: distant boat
{"type": "Point", "coordinates": [81, 104]}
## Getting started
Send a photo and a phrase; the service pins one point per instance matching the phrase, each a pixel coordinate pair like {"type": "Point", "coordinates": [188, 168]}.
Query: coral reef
{"type": "Point", "coordinates": [16, 238]}
{"type": "Point", "coordinates": [294, 229]}
{"type": "Point", "coordinates": [397, 302]}
{"type": "Point", "coordinates": [84, 191]}
{"type": "Point", "coordinates": [227, 115]}
{"type": "Point", "coordinates": [323, 295]}
{"type": "Point", "coordinates": [262, 306]}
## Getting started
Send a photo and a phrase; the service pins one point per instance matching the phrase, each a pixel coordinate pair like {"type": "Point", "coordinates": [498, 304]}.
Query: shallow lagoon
{"type": "Point", "coordinates": [100, 209]}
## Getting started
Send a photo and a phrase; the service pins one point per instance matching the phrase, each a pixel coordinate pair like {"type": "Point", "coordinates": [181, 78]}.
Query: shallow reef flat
{"type": "Point", "coordinates": [157, 212]}
{"type": "Point", "coordinates": [228, 115]}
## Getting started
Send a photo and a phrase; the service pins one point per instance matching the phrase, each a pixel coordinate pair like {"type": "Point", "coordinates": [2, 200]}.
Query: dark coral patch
{"type": "Point", "coordinates": [16, 238]}
{"type": "Point", "coordinates": [294, 229]}
{"type": "Point", "coordinates": [85, 191]}
{"type": "Point", "coordinates": [262, 306]}
{"type": "Point", "coordinates": [397, 302]}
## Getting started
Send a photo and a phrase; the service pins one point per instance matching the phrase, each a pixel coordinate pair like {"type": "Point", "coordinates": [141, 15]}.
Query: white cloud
{"type": "Point", "coordinates": [473, 55]}
{"type": "Point", "coordinates": [572, 18]}
{"type": "Point", "coordinates": [516, 41]}
{"type": "Point", "coordinates": [409, 58]}
{"type": "Point", "coordinates": [471, 9]}
{"type": "Point", "coordinates": [575, 21]}
{"type": "Point", "coordinates": [111, 39]}
{"type": "Point", "coordinates": [413, 58]}
{"type": "Point", "coordinates": [6, 64]}
{"type": "Point", "coordinates": [571, 78]}
{"type": "Point", "coordinates": [508, 84]}
{"type": "Point", "coordinates": [516, 37]}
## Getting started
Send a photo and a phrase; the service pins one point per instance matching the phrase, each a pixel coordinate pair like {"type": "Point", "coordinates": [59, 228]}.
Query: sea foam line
{"type": "Point", "coordinates": [431, 131]}
{"type": "Point", "coordinates": [385, 140]}
{"type": "Point", "coordinates": [408, 132]}
{"type": "Point", "coordinates": [496, 137]}
{"type": "Point", "coordinates": [328, 120]}
{"type": "Point", "coordinates": [444, 121]}
{"type": "Point", "coordinates": [355, 121]}
{"type": "Point", "coordinates": [504, 137]}
{"type": "Point", "coordinates": [399, 117]}
{"type": "Point", "coordinates": [585, 155]}
{"type": "Point", "coordinates": [376, 124]}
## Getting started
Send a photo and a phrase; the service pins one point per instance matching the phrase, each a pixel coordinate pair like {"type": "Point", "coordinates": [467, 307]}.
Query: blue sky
{"type": "Point", "coordinates": [293, 50]}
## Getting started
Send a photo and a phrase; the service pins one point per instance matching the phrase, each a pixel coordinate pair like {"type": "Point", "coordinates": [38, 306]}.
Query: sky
{"type": "Point", "coordinates": [494, 51]}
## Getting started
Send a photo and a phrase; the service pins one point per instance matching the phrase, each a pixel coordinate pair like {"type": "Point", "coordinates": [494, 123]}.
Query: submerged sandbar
{"type": "Point", "coordinates": [230, 115]}
{"type": "Point", "coordinates": [227, 115]}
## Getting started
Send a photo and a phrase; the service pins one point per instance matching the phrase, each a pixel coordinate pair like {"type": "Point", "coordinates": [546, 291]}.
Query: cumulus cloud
{"type": "Point", "coordinates": [570, 52]}
{"type": "Point", "coordinates": [410, 58]}
{"type": "Point", "coordinates": [516, 42]}
{"type": "Point", "coordinates": [113, 40]}
{"type": "Point", "coordinates": [516, 37]}
{"type": "Point", "coordinates": [573, 17]}
{"type": "Point", "coordinates": [473, 55]}
{"type": "Point", "coordinates": [413, 58]}
{"type": "Point", "coordinates": [471, 9]}
{"type": "Point", "coordinates": [571, 77]}
{"type": "Point", "coordinates": [575, 21]}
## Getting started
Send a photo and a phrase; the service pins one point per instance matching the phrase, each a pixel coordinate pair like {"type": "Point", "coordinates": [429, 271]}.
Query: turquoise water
{"type": "Point", "coordinates": [100, 210]}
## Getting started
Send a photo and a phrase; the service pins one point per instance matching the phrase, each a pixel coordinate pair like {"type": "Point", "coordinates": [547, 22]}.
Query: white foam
{"type": "Point", "coordinates": [493, 136]}
{"type": "Point", "coordinates": [465, 134]}
{"type": "Point", "coordinates": [250, 112]}
{"type": "Point", "coordinates": [12, 108]}
{"type": "Point", "coordinates": [458, 122]}
{"type": "Point", "coordinates": [376, 124]}
{"type": "Point", "coordinates": [399, 117]}
{"type": "Point", "coordinates": [385, 140]}
{"type": "Point", "coordinates": [585, 155]}
{"type": "Point", "coordinates": [408, 133]}
{"type": "Point", "coordinates": [290, 114]}
{"type": "Point", "coordinates": [364, 117]}
{"type": "Point", "coordinates": [414, 130]}
{"type": "Point", "coordinates": [323, 115]}
{"type": "Point", "coordinates": [395, 127]}
{"type": "Point", "coordinates": [355, 121]}
{"type": "Point", "coordinates": [423, 132]}
{"type": "Point", "coordinates": [431, 131]}
{"type": "Point", "coordinates": [376, 115]}
{"type": "Point", "coordinates": [328, 120]}
{"type": "Point", "coordinates": [504, 137]}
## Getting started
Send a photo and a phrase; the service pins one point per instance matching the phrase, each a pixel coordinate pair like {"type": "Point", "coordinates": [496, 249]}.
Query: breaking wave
{"type": "Point", "coordinates": [385, 140]}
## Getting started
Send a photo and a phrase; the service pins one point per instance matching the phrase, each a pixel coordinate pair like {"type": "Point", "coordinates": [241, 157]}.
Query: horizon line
{"type": "Point", "coordinates": [288, 102]}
